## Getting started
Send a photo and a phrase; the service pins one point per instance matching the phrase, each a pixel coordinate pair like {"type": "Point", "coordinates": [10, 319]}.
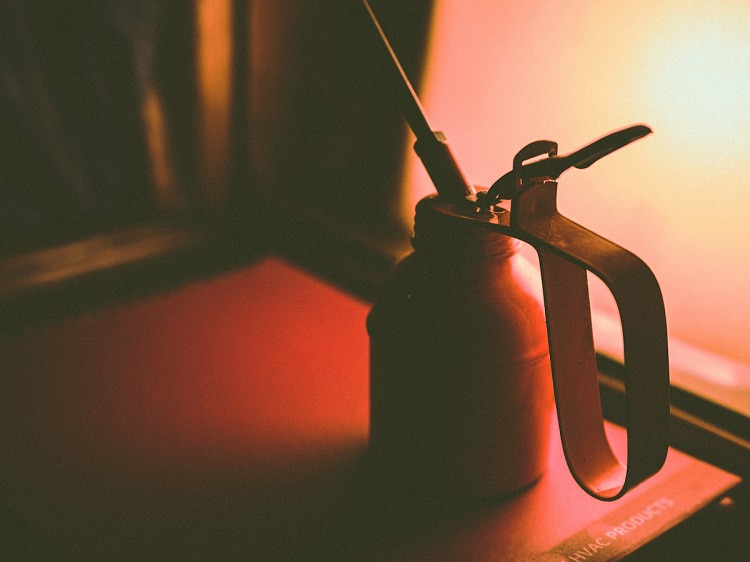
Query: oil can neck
{"type": "Point", "coordinates": [438, 232]}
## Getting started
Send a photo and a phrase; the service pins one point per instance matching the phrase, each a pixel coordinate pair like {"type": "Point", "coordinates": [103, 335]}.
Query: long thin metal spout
{"type": "Point", "coordinates": [431, 146]}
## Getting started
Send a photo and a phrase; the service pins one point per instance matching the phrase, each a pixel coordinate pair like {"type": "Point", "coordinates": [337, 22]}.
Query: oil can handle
{"type": "Point", "coordinates": [566, 252]}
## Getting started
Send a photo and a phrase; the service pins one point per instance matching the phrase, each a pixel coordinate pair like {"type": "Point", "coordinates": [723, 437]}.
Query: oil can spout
{"type": "Point", "coordinates": [431, 146]}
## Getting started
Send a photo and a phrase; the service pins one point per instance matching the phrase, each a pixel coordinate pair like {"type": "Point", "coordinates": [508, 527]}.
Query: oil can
{"type": "Point", "coordinates": [461, 388]}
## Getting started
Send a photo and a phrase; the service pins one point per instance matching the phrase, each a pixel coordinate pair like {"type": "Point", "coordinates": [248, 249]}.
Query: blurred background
{"type": "Point", "coordinates": [138, 130]}
{"type": "Point", "coordinates": [499, 76]}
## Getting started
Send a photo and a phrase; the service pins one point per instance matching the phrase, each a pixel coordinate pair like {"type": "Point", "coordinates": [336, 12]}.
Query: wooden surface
{"type": "Point", "coordinates": [229, 419]}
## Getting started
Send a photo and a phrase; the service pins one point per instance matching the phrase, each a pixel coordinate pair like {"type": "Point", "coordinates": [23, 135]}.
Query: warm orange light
{"type": "Point", "coordinates": [500, 75]}
{"type": "Point", "coordinates": [214, 62]}
{"type": "Point", "coordinates": [159, 149]}
{"type": "Point", "coordinates": [700, 71]}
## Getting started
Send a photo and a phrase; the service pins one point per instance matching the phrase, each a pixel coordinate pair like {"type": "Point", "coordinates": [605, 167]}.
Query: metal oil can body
{"type": "Point", "coordinates": [460, 385]}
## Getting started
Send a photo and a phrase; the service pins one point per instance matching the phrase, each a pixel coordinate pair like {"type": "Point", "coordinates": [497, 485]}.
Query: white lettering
{"type": "Point", "coordinates": [652, 510]}
{"type": "Point", "coordinates": [648, 513]}
{"type": "Point", "coordinates": [666, 502]}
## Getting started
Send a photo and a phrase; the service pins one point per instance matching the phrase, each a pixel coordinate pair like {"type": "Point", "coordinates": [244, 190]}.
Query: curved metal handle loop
{"type": "Point", "coordinates": [566, 251]}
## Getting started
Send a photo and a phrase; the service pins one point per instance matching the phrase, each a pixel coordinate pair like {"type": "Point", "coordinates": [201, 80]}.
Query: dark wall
{"type": "Point", "coordinates": [327, 134]}
{"type": "Point", "coordinates": [73, 151]}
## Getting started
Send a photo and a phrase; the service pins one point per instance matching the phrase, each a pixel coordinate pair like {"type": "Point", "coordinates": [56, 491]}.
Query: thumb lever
{"type": "Point", "coordinates": [554, 166]}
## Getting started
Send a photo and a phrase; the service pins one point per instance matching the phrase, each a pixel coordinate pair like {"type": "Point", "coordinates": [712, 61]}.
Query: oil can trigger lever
{"type": "Point", "coordinates": [554, 166]}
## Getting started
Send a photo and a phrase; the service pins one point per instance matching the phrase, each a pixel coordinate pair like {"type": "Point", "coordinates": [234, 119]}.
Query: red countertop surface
{"type": "Point", "coordinates": [229, 419]}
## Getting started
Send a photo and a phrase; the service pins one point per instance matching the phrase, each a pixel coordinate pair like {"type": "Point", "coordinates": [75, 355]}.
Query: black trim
{"type": "Point", "coordinates": [701, 428]}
